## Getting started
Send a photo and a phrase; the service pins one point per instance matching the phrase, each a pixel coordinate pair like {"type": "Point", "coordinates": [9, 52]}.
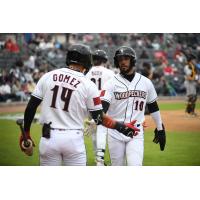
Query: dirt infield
{"type": "Point", "coordinates": [177, 121]}
{"type": "Point", "coordinates": [12, 108]}
{"type": "Point", "coordinates": [173, 120]}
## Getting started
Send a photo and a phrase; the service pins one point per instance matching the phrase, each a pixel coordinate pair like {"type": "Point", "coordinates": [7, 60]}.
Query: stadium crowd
{"type": "Point", "coordinates": [24, 58]}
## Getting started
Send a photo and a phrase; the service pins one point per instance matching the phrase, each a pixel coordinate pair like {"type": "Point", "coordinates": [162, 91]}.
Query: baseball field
{"type": "Point", "coordinates": [182, 148]}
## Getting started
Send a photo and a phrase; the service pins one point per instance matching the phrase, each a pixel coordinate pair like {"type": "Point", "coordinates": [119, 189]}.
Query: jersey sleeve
{"type": "Point", "coordinates": [93, 99]}
{"type": "Point", "coordinates": [107, 91]}
{"type": "Point", "coordinates": [110, 74]}
{"type": "Point", "coordinates": [39, 90]}
{"type": "Point", "coordinates": [152, 95]}
{"type": "Point", "coordinates": [88, 75]}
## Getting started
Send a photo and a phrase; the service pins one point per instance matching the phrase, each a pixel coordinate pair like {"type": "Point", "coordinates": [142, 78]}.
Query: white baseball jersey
{"type": "Point", "coordinates": [67, 96]}
{"type": "Point", "coordinates": [128, 99]}
{"type": "Point", "coordinates": [100, 75]}
{"type": "Point", "coordinates": [127, 102]}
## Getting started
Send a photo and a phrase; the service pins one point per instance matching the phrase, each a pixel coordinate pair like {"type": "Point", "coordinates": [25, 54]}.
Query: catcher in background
{"type": "Point", "coordinates": [190, 84]}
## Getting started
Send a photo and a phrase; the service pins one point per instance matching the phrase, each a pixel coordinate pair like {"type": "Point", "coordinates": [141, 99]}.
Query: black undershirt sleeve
{"type": "Point", "coordinates": [30, 112]}
{"type": "Point", "coordinates": [105, 106]}
{"type": "Point", "coordinates": [153, 107]}
{"type": "Point", "coordinates": [97, 115]}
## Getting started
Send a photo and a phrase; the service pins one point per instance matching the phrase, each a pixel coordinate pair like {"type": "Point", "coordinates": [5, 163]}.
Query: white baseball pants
{"type": "Point", "coordinates": [124, 152]}
{"type": "Point", "coordinates": [63, 148]}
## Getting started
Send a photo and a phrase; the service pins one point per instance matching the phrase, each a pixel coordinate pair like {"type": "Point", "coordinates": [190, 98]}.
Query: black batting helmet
{"type": "Point", "coordinates": [79, 54]}
{"type": "Point", "coordinates": [100, 55]}
{"type": "Point", "coordinates": [125, 51]}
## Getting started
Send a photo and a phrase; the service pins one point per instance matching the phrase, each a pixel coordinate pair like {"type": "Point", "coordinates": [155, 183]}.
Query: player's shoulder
{"type": "Point", "coordinates": [88, 85]}
{"type": "Point", "coordinates": [46, 75]}
{"type": "Point", "coordinates": [92, 71]}
{"type": "Point", "coordinates": [52, 72]}
{"type": "Point", "coordinates": [112, 79]}
{"type": "Point", "coordinates": [143, 78]}
{"type": "Point", "coordinates": [87, 82]}
{"type": "Point", "coordinates": [108, 71]}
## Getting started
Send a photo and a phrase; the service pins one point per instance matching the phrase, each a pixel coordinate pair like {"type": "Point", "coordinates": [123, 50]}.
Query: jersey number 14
{"type": "Point", "coordinates": [65, 96]}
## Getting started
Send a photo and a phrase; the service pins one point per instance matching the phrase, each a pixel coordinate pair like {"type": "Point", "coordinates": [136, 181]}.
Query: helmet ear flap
{"type": "Point", "coordinates": [116, 62]}
{"type": "Point", "coordinates": [133, 61]}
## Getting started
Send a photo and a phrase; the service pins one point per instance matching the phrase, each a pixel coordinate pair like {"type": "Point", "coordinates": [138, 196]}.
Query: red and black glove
{"type": "Point", "coordinates": [29, 139]}
{"type": "Point", "coordinates": [128, 129]}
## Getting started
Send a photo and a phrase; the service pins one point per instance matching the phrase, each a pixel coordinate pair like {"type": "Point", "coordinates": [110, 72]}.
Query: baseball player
{"type": "Point", "coordinates": [190, 84]}
{"type": "Point", "coordinates": [66, 97]}
{"type": "Point", "coordinates": [99, 75]}
{"type": "Point", "coordinates": [125, 97]}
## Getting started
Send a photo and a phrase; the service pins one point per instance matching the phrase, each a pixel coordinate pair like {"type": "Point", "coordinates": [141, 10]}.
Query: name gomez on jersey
{"type": "Point", "coordinates": [67, 96]}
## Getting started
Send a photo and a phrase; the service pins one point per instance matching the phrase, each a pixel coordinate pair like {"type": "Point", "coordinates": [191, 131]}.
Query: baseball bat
{"type": "Point", "coordinates": [26, 143]}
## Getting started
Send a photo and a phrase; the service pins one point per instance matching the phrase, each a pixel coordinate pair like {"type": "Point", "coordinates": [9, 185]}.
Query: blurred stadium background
{"type": "Point", "coordinates": [24, 58]}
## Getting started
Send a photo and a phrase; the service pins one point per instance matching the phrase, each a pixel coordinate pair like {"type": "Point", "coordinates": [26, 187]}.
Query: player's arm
{"type": "Point", "coordinates": [127, 129]}
{"type": "Point", "coordinates": [30, 112]}
{"type": "Point", "coordinates": [155, 114]}
{"type": "Point", "coordinates": [28, 118]}
{"type": "Point", "coordinates": [105, 106]}
{"type": "Point", "coordinates": [160, 136]}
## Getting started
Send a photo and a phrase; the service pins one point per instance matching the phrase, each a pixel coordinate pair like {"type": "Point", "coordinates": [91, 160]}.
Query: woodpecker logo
{"type": "Point", "coordinates": [131, 93]}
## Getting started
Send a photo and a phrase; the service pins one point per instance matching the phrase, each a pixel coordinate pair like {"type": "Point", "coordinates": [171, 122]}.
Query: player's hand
{"type": "Point", "coordinates": [128, 129]}
{"type": "Point", "coordinates": [144, 124]}
{"type": "Point", "coordinates": [160, 137]}
{"type": "Point", "coordinates": [28, 150]}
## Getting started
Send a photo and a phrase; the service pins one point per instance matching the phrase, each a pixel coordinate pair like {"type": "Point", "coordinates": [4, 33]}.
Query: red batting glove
{"type": "Point", "coordinates": [131, 125]}
{"type": "Point", "coordinates": [28, 138]}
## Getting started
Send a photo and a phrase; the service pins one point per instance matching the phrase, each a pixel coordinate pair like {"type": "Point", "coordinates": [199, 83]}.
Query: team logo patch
{"type": "Point", "coordinates": [97, 101]}
{"type": "Point", "coordinates": [131, 93]}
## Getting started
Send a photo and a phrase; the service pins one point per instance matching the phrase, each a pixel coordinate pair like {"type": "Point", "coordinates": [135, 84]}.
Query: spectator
{"type": "Point", "coordinates": [144, 55]}
{"type": "Point", "coordinates": [30, 63]}
{"type": "Point", "coordinates": [16, 89]}
{"type": "Point", "coordinates": [30, 87]}
{"type": "Point", "coordinates": [168, 70]}
{"type": "Point", "coordinates": [5, 91]}
{"type": "Point", "coordinates": [11, 46]}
